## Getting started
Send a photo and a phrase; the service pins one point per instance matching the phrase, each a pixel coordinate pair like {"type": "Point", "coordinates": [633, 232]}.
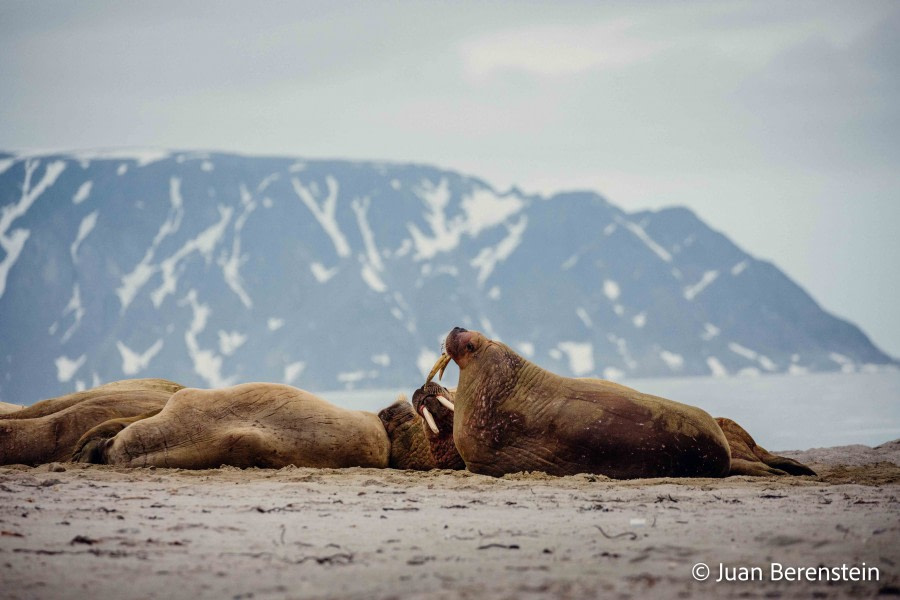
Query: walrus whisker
{"type": "Point", "coordinates": [430, 420]}
{"type": "Point", "coordinates": [440, 365]}
{"type": "Point", "coordinates": [445, 402]}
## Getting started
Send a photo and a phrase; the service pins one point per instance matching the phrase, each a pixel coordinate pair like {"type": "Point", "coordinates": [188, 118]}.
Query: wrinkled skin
{"type": "Point", "coordinates": [512, 415]}
{"type": "Point", "coordinates": [749, 459]}
{"type": "Point", "coordinates": [260, 425]}
{"type": "Point", "coordinates": [49, 430]}
{"type": "Point", "coordinates": [440, 444]}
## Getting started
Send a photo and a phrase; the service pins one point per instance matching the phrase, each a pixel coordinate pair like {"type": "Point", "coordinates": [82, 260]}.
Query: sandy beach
{"type": "Point", "coordinates": [79, 531]}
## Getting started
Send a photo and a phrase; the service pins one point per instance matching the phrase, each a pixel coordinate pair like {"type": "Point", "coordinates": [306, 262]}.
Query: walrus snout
{"type": "Point", "coordinates": [456, 341]}
{"type": "Point", "coordinates": [433, 403]}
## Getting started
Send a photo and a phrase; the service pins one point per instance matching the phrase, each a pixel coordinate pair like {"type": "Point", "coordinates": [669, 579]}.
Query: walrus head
{"type": "Point", "coordinates": [476, 356]}
{"type": "Point", "coordinates": [411, 448]}
{"type": "Point", "coordinates": [435, 404]}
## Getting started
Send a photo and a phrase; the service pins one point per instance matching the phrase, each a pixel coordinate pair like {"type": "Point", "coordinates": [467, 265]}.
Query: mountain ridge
{"type": "Point", "coordinates": [214, 268]}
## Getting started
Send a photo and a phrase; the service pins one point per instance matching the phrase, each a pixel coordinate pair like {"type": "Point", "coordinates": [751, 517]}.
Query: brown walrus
{"type": "Point", "coordinates": [435, 404]}
{"type": "Point", "coordinates": [511, 415]}
{"type": "Point", "coordinates": [48, 430]}
{"type": "Point", "coordinates": [260, 425]}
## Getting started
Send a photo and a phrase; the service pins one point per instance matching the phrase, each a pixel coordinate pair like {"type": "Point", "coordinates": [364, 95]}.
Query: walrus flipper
{"type": "Point", "coordinates": [91, 447]}
{"type": "Point", "coordinates": [748, 458]}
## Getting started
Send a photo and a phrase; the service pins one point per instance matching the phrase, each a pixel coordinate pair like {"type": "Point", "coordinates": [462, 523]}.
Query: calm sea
{"type": "Point", "coordinates": [782, 412]}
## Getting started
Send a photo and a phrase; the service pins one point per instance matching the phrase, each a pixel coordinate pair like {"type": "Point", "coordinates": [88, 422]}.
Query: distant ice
{"type": "Point", "coordinates": [84, 229]}
{"type": "Point", "coordinates": [66, 367]}
{"type": "Point", "coordinates": [230, 341]}
{"type": "Point", "coordinates": [487, 258]}
{"type": "Point", "coordinates": [132, 362]}
{"type": "Point", "coordinates": [715, 367]}
{"type": "Point", "coordinates": [611, 289]}
{"type": "Point", "coordinates": [83, 192]}
{"type": "Point", "coordinates": [326, 213]}
{"type": "Point", "coordinates": [293, 371]}
{"type": "Point", "coordinates": [691, 291]}
{"type": "Point", "coordinates": [581, 356]}
{"type": "Point", "coordinates": [13, 242]}
{"type": "Point", "coordinates": [274, 323]}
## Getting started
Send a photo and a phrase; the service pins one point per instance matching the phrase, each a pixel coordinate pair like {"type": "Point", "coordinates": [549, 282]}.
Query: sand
{"type": "Point", "coordinates": [77, 531]}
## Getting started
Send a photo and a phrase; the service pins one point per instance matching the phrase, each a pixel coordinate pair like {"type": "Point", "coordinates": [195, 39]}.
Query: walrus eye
{"type": "Point", "coordinates": [470, 347]}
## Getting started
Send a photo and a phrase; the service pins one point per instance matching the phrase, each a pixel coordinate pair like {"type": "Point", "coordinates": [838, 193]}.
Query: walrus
{"type": "Point", "coordinates": [511, 415]}
{"type": "Point", "coordinates": [260, 425]}
{"type": "Point", "coordinates": [7, 408]}
{"type": "Point", "coordinates": [48, 430]}
{"type": "Point", "coordinates": [435, 405]}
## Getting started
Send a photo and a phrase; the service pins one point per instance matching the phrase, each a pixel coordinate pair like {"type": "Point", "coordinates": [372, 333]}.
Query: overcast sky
{"type": "Point", "coordinates": [777, 122]}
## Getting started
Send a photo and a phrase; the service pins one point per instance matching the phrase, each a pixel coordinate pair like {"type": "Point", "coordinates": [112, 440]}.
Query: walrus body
{"type": "Point", "coordinates": [249, 425]}
{"type": "Point", "coordinates": [260, 425]}
{"type": "Point", "coordinates": [48, 430]}
{"type": "Point", "coordinates": [511, 415]}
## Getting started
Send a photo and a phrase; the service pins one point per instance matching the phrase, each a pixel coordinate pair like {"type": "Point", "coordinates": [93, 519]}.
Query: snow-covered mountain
{"type": "Point", "coordinates": [212, 269]}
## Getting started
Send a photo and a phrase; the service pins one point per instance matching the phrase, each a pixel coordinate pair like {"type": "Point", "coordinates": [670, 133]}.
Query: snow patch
{"type": "Point", "coordinates": [715, 367]}
{"type": "Point", "coordinates": [83, 192]}
{"type": "Point", "coordinates": [84, 229]}
{"type": "Point", "coordinates": [293, 370]}
{"type": "Point", "coordinates": [675, 362]}
{"type": "Point", "coordinates": [639, 233]}
{"type": "Point", "coordinates": [488, 257]}
{"type": "Point", "coordinates": [326, 213]}
{"type": "Point", "coordinates": [349, 378]}
{"type": "Point", "coordinates": [230, 341]}
{"type": "Point", "coordinates": [609, 229]}
{"type": "Point", "coordinates": [382, 360]}
{"type": "Point", "coordinates": [395, 184]}
{"type": "Point", "coordinates": [488, 329]}
{"type": "Point", "coordinates": [321, 273]}
{"type": "Point", "coordinates": [691, 291]}
{"type": "Point", "coordinates": [142, 156]}
{"type": "Point", "coordinates": [847, 365]}
{"type": "Point", "coordinates": [527, 348]}
{"type": "Point", "coordinates": [485, 209]}
{"type": "Point", "coordinates": [123, 168]}
{"type": "Point", "coordinates": [139, 276]}
{"type": "Point", "coordinates": [739, 268]}
{"type": "Point", "coordinates": [767, 364]}
{"type": "Point", "coordinates": [5, 164]}
{"type": "Point", "coordinates": [569, 262]}
{"type": "Point", "coordinates": [231, 266]}
{"type": "Point", "coordinates": [274, 323]}
{"type": "Point", "coordinates": [612, 373]}
{"type": "Point", "coordinates": [581, 356]}
{"type": "Point", "coordinates": [132, 362]}
{"type": "Point", "coordinates": [619, 309]}
{"type": "Point", "coordinates": [204, 244]}
{"type": "Point", "coordinates": [797, 370]}
{"type": "Point", "coordinates": [742, 351]}
{"type": "Point", "coordinates": [622, 349]}
{"type": "Point", "coordinates": [426, 360]}
{"type": "Point", "coordinates": [611, 289]}
{"type": "Point", "coordinates": [207, 364]}
{"type": "Point", "coordinates": [494, 293]}
{"type": "Point", "coordinates": [709, 331]}
{"type": "Point", "coordinates": [75, 307]}
{"type": "Point", "coordinates": [66, 367]}
{"type": "Point", "coordinates": [371, 260]}
{"type": "Point", "coordinates": [639, 320]}
{"type": "Point", "coordinates": [584, 316]}
{"type": "Point", "coordinates": [748, 372]}
{"type": "Point", "coordinates": [206, 166]}
{"type": "Point", "coordinates": [13, 242]}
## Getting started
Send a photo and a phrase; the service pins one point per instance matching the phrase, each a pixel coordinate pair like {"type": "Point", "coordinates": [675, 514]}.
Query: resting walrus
{"type": "Point", "coordinates": [48, 430]}
{"type": "Point", "coordinates": [260, 425]}
{"type": "Point", "coordinates": [511, 415]}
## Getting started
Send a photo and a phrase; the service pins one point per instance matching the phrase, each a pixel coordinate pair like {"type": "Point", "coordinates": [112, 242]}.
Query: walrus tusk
{"type": "Point", "coordinates": [445, 402]}
{"type": "Point", "coordinates": [430, 420]}
{"type": "Point", "coordinates": [440, 365]}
